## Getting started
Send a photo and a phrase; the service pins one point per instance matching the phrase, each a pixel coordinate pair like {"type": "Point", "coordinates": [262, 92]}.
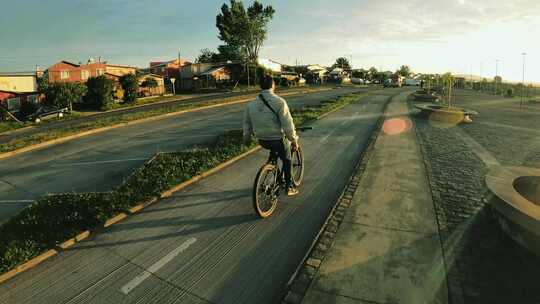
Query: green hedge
{"type": "Point", "coordinates": [56, 218]}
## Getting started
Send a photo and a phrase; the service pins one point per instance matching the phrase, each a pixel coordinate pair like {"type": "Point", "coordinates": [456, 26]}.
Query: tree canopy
{"type": "Point", "coordinates": [342, 63]}
{"type": "Point", "coordinates": [149, 83]}
{"type": "Point", "coordinates": [207, 55]}
{"type": "Point", "coordinates": [244, 30]}
{"type": "Point", "coordinates": [64, 94]}
{"type": "Point", "coordinates": [130, 85]}
{"type": "Point", "coordinates": [99, 93]}
{"type": "Point", "coordinates": [404, 71]}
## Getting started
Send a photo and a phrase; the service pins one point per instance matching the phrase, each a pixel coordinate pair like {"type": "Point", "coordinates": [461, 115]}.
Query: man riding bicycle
{"type": "Point", "coordinates": [269, 119]}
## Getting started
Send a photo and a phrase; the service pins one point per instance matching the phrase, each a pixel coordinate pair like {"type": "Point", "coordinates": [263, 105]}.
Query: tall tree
{"type": "Point", "coordinates": [207, 55]}
{"type": "Point", "coordinates": [244, 29]}
{"type": "Point", "coordinates": [342, 63]}
{"type": "Point", "coordinates": [100, 92]}
{"type": "Point", "coordinates": [404, 71]}
{"type": "Point", "coordinates": [64, 94]}
{"type": "Point", "coordinates": [372, 74]}
{"type": "Point", "coordinates": [130, 85]}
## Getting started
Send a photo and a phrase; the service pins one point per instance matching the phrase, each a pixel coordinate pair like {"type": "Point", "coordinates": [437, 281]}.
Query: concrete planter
{"type": "Point", "coordinates": [444, 114]}
{"type": "Point", "coordinates": [515, 201]}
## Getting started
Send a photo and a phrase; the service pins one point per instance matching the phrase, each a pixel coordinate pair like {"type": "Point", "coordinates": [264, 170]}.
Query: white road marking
{"type": "Point", "coordinates": [156, 266]}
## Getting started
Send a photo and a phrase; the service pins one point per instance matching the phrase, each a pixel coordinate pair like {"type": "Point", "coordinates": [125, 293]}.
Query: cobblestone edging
{"type": "Point", "coordinates": [324, 241]}
{"type": "Point", "coordinates": [482, 264]}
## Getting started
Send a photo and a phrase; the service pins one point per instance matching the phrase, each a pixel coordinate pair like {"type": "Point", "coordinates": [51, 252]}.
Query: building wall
{"type": "Point", "coordinates": [159, 90]}
{"type": "Point", "coordinates": [120, 70]}
{"type": "Point", "coordinates": [18, 83]}
{"type": "Point", "coordinates": [75, 71]}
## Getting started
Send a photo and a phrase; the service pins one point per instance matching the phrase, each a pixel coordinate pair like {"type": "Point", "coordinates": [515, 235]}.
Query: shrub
{"type": "Point", "coordinates": [130, 85]}
{"type": "Point", "coordinates": [100, 90]}
{"type": "Point", "coordinates": [64, 94]}
{"type": "Point", "coordinates": [510, 92]}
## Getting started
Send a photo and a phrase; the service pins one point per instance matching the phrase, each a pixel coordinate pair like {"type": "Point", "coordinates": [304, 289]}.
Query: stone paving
{"type": "Point", "coordinates": [483, 265]}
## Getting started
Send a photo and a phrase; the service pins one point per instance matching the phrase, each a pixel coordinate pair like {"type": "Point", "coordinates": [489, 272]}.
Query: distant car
{"type": "Point", "coordinates": [355, 80]}
{"type": "Point", "coordinates": [44, 112]}
{"type": "Point", "coordinates": [412, 82]}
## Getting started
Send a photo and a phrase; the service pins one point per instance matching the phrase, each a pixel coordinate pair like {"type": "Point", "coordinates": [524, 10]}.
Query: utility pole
{"type": "Point", "coordinates": [496, 79]}
{"type": "Point", "coordinates": [522, 81]}
{"type": "Point", "coordinates": [180, 69]}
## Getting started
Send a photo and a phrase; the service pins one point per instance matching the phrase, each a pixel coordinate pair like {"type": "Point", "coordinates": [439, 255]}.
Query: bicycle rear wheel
{"type": "Point", "coordinates": [297, 166]}
{"type": "Point", "coordinates": [264, 191]}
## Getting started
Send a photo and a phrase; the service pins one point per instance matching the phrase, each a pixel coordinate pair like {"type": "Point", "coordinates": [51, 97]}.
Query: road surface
{"type": "Point", "coordinates": [205, 244]}
{"type": "Point", "coordinates": [101, 161]}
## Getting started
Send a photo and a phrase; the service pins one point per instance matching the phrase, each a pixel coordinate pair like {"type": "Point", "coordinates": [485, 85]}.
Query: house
{"type": "Point", "coordinates": [313, 73]}
{"type": "Point", "coordinates": [145, 90]}
{"type": "Point", "coordinates": [271, 65]}
{"type": "Point", "coordinates": [339, 75]}
{"type": "Point", "coordinates": [168, 69]}
{"type": "Point", "coordinates": [16, 89]}
{"type": "Point", "coordinates": [204, 75]}
{"type": "Point", "coordinates": [72, 72]}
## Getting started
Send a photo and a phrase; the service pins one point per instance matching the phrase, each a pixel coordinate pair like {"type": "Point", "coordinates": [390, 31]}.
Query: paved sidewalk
{"type": "Point", "coordinates": [387, 249]}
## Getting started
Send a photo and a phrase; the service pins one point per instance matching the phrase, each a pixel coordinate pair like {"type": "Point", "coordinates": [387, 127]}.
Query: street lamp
{"type": "Point", "coordinates": [523, 80]}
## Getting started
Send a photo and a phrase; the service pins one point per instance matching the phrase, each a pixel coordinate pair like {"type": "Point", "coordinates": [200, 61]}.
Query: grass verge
{"type": "Point", "coordinates": [55, 218]}
{"type": "Point", "coordinates": [10, 126]}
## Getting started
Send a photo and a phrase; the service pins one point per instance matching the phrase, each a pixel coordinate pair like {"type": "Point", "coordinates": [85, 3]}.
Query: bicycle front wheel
{"type": "Point", "coordinates": [265, 191]}
{"type": "Point", "coordinates": [297, 166]}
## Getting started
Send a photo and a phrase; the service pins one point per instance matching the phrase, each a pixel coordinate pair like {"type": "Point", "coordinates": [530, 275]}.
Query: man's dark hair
{"type": "Point", "coordinates": [266, 82]}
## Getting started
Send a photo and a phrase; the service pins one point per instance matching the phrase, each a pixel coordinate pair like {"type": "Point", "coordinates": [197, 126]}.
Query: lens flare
{"type": "Point", "coordinates": [397, 126]}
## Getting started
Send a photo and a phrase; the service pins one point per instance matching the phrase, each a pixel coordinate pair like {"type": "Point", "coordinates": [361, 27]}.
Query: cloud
{"type": "Point", "coordinates": [418, 20]}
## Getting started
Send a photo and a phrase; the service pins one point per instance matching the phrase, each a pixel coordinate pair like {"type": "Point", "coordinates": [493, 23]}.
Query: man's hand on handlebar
{"type": "Point", "coordinates": [294, 146]}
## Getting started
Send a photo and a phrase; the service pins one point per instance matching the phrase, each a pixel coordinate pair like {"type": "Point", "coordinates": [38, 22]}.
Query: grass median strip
{"type": "Point", "coordinates": [51, 220]}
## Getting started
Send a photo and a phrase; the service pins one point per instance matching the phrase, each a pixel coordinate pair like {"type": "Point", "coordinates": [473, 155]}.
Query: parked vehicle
{"type": "Point", "coordinates": [412, 82]}
{"type": "Point", "coordinates": [45, 112]}
{"type": "Point", "coordinates": [355, 80]}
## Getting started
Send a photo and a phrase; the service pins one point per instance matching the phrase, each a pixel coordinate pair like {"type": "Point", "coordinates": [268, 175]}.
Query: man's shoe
{"type": "Point", "coordinates": [292, 191]}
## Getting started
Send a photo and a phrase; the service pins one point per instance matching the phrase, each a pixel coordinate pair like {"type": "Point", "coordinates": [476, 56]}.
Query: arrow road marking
{"type": "Point", "coordinates": [157, 266]}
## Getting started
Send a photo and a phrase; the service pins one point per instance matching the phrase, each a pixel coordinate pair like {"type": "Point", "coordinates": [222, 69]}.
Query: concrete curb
{"type": "Point", "coordinates": [30, 264]}
{"type": "Point", "coordinates": [304, 274]}
{"type": "Point", "coordinates": [134, 122]}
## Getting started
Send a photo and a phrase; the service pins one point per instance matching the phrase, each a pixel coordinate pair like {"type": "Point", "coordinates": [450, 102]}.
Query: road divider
{"type": "Point", "coordinates": [61, 135]}
{"type": "Point", "coordinates": [52, 221]}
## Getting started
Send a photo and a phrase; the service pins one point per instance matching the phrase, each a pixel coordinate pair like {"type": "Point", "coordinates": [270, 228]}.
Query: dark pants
{"type": "Point", "coordinates": [280, 148]}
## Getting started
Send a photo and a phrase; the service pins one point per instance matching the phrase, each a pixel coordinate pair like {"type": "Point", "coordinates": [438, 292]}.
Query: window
{"type": "Point", "coordinates": [14, 104]}
{"type": "Point", "coordinates": [33, 99]}
{"type": "Point", "coordinates": [99, 72]}
{"type": "Point", "coordinates": [64, 74]}
{"type": "Point", "coordinates": [84, 74]}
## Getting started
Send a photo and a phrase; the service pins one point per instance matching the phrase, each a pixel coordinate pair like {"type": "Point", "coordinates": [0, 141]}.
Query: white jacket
{"type": "Point", "coordinates": [260, 121]}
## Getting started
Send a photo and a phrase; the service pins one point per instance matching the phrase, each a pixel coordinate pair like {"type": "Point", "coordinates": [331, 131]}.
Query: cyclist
{"type": "Point", "coordinates": [269, 119]}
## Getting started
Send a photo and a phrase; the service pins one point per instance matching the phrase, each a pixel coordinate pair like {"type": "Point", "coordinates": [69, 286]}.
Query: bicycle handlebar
{"type": "Point", "coordinates": [302, 129]}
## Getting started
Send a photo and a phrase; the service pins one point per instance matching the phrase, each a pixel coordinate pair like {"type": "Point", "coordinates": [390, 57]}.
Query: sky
{"type": "Point", "coordinates": [431, 36]}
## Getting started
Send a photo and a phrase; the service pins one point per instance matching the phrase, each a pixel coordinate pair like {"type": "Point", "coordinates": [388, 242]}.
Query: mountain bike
{"type": "Point", "coordinates": [270, 180]}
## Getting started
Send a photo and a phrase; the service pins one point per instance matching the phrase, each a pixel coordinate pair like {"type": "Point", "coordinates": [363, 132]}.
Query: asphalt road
{"type": "Point", "coordinates": [100, 162]}
{"type": "Point", "coordinates": [52, 125]}
{"type": "Point", "coordinates": [205, 244]}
